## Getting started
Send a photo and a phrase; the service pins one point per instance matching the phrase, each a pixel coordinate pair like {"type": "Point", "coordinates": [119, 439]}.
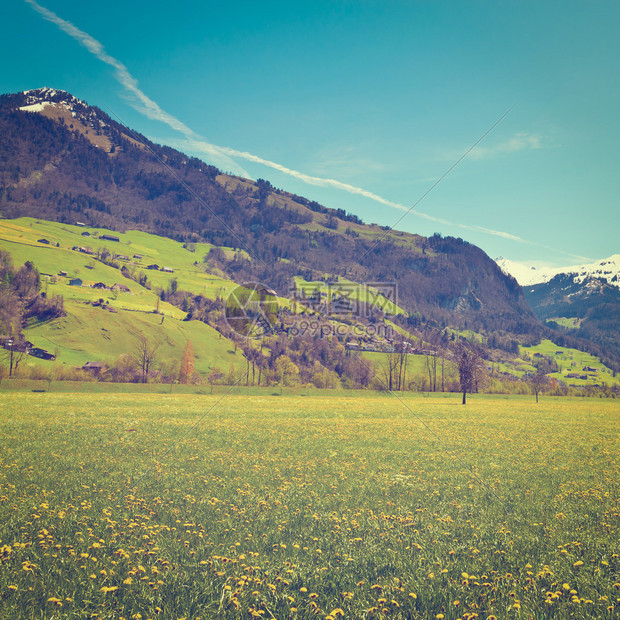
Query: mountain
{"type": "Point", "coordinates": [607, 268]}
{"type": "Point", "coordinates": [63, 160]}
{"type": "Point", "coordinates": [581, 306]}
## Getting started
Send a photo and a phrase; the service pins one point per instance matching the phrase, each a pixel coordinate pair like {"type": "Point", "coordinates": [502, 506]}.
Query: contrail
{"type": "Point", "coordinates": [153, 111]}
{"type": "Point", "coordinates": [146, 106]}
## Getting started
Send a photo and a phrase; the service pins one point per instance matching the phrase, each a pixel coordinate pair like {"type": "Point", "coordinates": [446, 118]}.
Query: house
{"type": "Point", "coordinates": [122, 257]}
{"type": "Point", "coordinates": [62, 273]}
{"type": "Point", "coordinates": [153, 266]}
{"type": "Point", "coordinates": [41, 354]}
{"type": "Point", "coordinates": [109, 237]}
{"type": "Point", "coordinates": [168, 269]}
{"type": "Point", "coordinates": [138, 256]}
{"type": "Point", "coordinates": [120, 287]}
{"type": "Point", "coordinates": [45, 241]}
{"type": "Point", "coordinates": [85, 234]}
{"type": "Point", "coordinates": [75, 282]}
{"type": "Point", "coordinates": [80, 224]}
{"type": "Point", "coordinates": [589, 368]}
{"type": "Point", "coordinates": [94, 367]}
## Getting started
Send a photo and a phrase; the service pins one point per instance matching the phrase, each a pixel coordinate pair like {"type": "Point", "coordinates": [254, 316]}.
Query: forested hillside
{"type": "Point", "coordinates": [69, 162]}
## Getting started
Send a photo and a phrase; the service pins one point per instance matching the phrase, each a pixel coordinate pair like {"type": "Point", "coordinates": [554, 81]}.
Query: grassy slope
{"type": "Point", "coordinates": [573, 361]}
{"type": "Point", "coordinates": [90, 333]}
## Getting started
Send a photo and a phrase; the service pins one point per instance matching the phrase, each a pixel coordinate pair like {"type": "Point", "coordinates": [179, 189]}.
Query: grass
{"type": "Point", "coordinates": [20, 237]}
{"type": "Point", "coordinates": [94, 334]}
{"type": "Point", "coordinates": [187, 506]}
{"type": "Point", "coordinates": [573, 361]}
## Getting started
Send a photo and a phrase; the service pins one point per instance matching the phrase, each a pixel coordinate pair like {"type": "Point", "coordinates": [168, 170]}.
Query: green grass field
{"type": "Point", "coordinates": [194, 506]}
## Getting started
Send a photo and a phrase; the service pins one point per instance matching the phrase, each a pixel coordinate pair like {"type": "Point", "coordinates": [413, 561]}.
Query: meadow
{"type": "Point", "coordinates": [262, 506]}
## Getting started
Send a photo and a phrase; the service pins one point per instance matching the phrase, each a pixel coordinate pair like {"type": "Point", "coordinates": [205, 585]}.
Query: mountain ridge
{"type": "Point", "coordinates": [73, 162]}
{"type": "Point", "coordinates": [608, 268]}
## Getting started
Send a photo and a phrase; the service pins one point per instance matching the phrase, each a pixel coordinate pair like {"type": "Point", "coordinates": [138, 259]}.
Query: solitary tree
{"type": "Point", "coordinates": [538, 382]}
{"type": "Point", "coordinates": [468, 358]}
{"type": "Point", "coordinates": [145, 355]}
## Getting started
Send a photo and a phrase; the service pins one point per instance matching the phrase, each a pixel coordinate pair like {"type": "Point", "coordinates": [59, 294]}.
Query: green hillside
{"type": "Point", "coordinates": [108, 330]}
{"type": "Point", "coordinates": [590, 370]}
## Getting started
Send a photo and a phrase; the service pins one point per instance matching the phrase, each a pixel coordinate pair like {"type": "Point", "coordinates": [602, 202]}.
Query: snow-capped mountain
{"type": "Point", "coordinates": [607, 268]}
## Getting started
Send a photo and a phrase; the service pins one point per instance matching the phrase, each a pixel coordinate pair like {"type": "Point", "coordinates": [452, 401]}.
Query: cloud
{"type": "Point", "coordinates": [495, 233]}
{"type": "Point", "coordinates": [518, 142]}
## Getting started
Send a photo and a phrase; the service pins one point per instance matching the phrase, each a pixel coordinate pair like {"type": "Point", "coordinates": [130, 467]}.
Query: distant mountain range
{"type": "Point", "coordinates": [607, 268]}
{"type": "Point", "coordinates": [579, 300]}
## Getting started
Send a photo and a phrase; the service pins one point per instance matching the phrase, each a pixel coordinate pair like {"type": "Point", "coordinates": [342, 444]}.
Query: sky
{"type": "Point", "coordinates": [492, 121]}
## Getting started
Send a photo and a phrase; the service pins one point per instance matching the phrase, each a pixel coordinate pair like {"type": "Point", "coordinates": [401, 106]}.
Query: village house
{"type": "Point", "coordinates": [41, 354]}
{"type": "Point", "coordinates": [109, 237]}
{"type": "Point", "coordinates": [75, 282]}
{"type": "Point", "coordinates": [94, 367]}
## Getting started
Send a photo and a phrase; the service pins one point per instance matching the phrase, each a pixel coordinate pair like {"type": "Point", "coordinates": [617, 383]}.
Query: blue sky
{"type": "Point", "coordinates": [366, 105]}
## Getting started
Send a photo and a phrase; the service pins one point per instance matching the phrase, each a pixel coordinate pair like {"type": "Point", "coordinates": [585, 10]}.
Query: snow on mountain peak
{"type": "Point", "coordinates": [607, 268]}
{"type": "Point", "coordinates": [51, 95]}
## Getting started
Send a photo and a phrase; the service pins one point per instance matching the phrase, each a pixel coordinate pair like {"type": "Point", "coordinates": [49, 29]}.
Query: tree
{"type": "Point", "coordinates": [431, 367]}
{"type": "Point", "coordinates": [538, 382]}
{"type": "Point", "coordinates": [145, 355]}
{"type": "Point", "coordinates": [187, 364]}
{"type": "Point", "coordinates": [287, 373]}
{"type": "Point", "coordinates": [469, 361]}
{"type": "Point", "coordinates": [215, 376]}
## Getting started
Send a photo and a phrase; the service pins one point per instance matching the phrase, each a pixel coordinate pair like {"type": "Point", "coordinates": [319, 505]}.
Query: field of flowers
{"type": "Point", "coordinates": [183, 506]}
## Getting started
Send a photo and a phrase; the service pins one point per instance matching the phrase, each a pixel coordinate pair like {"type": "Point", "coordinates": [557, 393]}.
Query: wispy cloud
{"type": "Point", "coordinates": [518, 142]}
{"type": "Point", "coordinates": [491, 231]}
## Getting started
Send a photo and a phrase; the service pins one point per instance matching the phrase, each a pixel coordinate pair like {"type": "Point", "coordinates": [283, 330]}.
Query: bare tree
{"type": "Point", "coordinates": [431, 367]}
{"type": "Point", "coordinates": [390, 370]}
{"type": "Point", "coordinates": [15, 352]}
{"type": "Point", "coordinates": [468, 358]}
{"type": "Point", "coordinates": [145, 355]}
{"type": "Point", "coordinates": [538, 382]}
